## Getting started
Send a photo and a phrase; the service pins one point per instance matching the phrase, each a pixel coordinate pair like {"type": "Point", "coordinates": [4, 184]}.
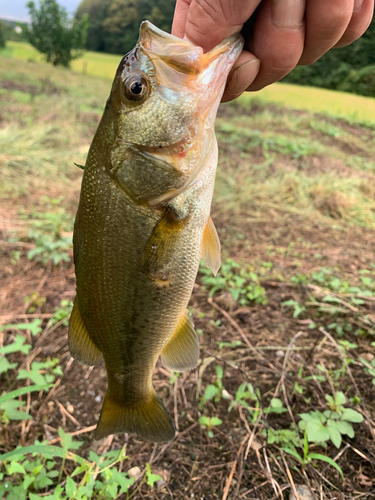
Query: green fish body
{"type": "Point", "coordinates": [143, 224]}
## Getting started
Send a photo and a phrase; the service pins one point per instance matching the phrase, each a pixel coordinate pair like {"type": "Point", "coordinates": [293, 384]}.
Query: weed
{"type": "Point", "coordinates": [307, 457]}
{"type": "Point", "coordinates": [34, 301]}
{"type": "Point", "coordinates": [297, 308]}
{"type": "Point", "coordinates": [369, 367]}
{"type": "Point", "coordinates": [62, 312]}
{"type": "Point", "coordinates": [246, 393]}
{"type": "Point", "coordinates": [243, 284]}
{"type": "Point", "coordinates": [46, 233]}
{"type": "Point", "coordinates": [332, 423]}
{"type": "Point", "coordinates": [210, 423]}
{"type": "Point", "coordinates": [22, 477]}
{"type": "Point", "coordinates": [214, 391]}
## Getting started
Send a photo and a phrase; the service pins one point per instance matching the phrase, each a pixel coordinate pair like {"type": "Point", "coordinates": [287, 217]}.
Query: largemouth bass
{"type": "Point", "coordinates": [143, 224]}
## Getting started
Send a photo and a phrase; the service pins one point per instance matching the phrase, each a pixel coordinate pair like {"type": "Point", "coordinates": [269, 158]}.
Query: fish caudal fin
{"type": "Point", "coordinates": [211, 247]}
{"type": "Point", "coordinates": [182, 351]}
{"type": "Point", "coordinates": [81, 346]}
{"type": "Point", "coordinates": [148, 418]}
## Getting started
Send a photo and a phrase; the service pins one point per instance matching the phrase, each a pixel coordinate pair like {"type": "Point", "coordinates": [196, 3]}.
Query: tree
{"type": "Point", "coordinates": [54, 34]}
{"type": "Point", "coordinates": [97, 11]}
{"type": "Point", "coordinates": [3, 37]}
{"type": "Point", "coordinates": [350, 68]}
{"type": "Point", "coordinates": [114, 24]}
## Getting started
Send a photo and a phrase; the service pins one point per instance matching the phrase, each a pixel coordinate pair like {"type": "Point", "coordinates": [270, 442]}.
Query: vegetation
{"type": "Point", "coordinates": [114, 24]}
{"type": "Point", "coordinates": [350, 69]}
{"type": "Point", "coordinates": [54, 34]}
{"type": "Point", "coordinates": [283, 393]}
{"type": "Point", "coordinates": [3, 35]}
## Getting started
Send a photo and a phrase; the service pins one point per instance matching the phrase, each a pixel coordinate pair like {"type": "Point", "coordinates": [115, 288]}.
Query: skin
{"type": "Point", "coordinates": [285, 33]}
{"type": "Point", "coordinates": [144, 206]}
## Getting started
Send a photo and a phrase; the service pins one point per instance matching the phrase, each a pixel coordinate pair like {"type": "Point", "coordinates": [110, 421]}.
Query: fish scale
{"type": "Point", "coordinates": [143, 223]}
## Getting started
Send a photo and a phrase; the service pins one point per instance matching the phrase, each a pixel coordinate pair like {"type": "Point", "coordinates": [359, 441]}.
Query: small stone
{"type": "Point", "coordinates": [165, 477]}
{"type": "Point", "coordinates": [98, 399]}
{"type": "Point", "coordinates": [91, 392]}
{"type": "Point", "coordinates": [135, 472]}
{"type": "Point", "coordinates": [303, 492]}
{"type": "Point", "coordinates": [368, 356]}
{"type": "Point", "coordinates": [279, 353]}
{"type": "Point", "coordinates": [70, 408]}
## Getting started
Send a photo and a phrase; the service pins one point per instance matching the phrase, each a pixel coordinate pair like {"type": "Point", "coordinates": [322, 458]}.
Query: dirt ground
{"type": "Point", "coordinates": [262, 344]}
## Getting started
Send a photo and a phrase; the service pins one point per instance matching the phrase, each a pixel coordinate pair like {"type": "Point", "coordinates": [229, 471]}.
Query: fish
{"type": "Point", "coordinates": [143, 224]}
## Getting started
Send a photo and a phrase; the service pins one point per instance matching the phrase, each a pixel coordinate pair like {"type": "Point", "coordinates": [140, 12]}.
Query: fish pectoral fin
{"type": "Point", "coordinates": [148, 418]}
{"type": "Point", "coordinates": [81, 346]}
{"type": "Point", "coordinates": [211, 247]}
{"type": "Point", "coordinates": [161, 244]}
{"type": "Point", "coordinates": [182, 351]}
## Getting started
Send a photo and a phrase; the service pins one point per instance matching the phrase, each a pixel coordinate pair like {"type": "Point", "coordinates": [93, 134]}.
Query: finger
{"type": "Point", "coordinates": [180, 17]}
{"type": "Point", "coordinates": [360, 21]}
{"type": "Point", "coordinates": [277, 40]}
{"type": "Point", "coordinates": [326, 22]}
{"type": "Point", "coordinates": [209, 22]}
{"type": "Point", "coordinates": [242, 75]}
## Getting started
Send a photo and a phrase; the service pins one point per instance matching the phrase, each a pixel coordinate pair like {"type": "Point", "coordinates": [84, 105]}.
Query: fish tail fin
{"type": "Point", "coordinates": [148, 418]}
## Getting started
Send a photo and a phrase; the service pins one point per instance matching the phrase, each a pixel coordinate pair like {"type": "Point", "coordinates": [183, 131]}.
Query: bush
{"type": "Point", "coordinates": [54, 34]}
{"type": "Point", "coordinates": [360, 81]}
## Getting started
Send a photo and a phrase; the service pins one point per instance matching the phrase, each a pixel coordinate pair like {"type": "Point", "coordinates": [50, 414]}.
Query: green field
{"type": "Point", "coordinates": [283, 393]}
{"type": "Point", "coordinates": [338, 104]}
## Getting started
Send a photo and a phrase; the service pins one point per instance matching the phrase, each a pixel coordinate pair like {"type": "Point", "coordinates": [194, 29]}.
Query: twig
{"type": "Point", "coordinates": [75, 433]}
{"type": "Point", "coordinates": [67, 414]}
{"type": "Point", "coordinates": [175, 403]}
{"type": "Point", "coordinates": [360, 453]}
{"type": "Point", "coordinates": [235, 325]}
{"type": "Point", "coordinates": [230, 477]}
{"type": "Point", "coordinates": [273, 482]}
{"type": "Point", "coordinates": [8, 317]}
{"type": "Point", "coordinates": [298, 334]}
{"type": "Point", "coordinates": [254, 489]}
{"type": "Point", "coordinates": [290, 477]}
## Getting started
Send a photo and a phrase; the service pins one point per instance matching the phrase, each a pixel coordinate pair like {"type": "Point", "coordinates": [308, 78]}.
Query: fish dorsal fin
{"type": "Point", "coordinates": [81, 346]}
{"type": "Point", "coordinates": [211, 247]}
{"type": "Point", "coordinates": [182, 351]}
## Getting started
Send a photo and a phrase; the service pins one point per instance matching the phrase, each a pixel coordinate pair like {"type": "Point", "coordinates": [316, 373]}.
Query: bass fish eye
{"type": "Point", "coordinates": [135, 88]}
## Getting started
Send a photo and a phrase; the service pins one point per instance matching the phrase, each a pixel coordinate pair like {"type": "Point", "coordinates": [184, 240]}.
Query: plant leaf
{"type": "Point", "coordinates": [352, 416]}
{"type": "Point", "coordinates": [317, 432]}
{"type": "Point", "coordinates": [318, 456]}
{"type": "Point", "coordinates": [334, 433]}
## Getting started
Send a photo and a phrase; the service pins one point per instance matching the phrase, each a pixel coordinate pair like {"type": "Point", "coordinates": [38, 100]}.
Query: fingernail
{"type": "Point", "coordinates": [242, 77]}
{"type": "Point", "coordinates": [288, 13]}
{"type": "Point", "coordinates": [357, 5]}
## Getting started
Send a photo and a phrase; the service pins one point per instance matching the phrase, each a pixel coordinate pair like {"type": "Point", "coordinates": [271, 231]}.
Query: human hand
{"type": "Point", "coordinates": [285, 33]}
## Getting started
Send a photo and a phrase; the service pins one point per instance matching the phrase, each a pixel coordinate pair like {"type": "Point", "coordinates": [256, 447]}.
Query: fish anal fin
{"type": "Point", "coordinates": [161, 244]}
{"type": "Point", "coordinates": [182, 351]}
{"type": "Point", "coordinates": [211, 247]}
{"type": "Point", "coordinates": [81, 346]}
{"type": "Point", "coordinates": [148, 418]}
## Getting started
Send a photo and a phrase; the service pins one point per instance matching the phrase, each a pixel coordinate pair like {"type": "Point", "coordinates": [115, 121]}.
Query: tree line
{"type": "Point", "coordinates": [349, 69]}
{"type": "Point", "coordinates": [112, 26]}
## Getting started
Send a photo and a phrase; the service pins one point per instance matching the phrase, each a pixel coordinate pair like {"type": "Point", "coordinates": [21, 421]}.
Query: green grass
{"type": "Point", "coordinates": [337, 104]}
{"type": "Point", "coordinates": [92, 63]}
{"type": "Point", "coordinates": [333, 103]}
{"type": "Point", "coordinates": [271, 156]}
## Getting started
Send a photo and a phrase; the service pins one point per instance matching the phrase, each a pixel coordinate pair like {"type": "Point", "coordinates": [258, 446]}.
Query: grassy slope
{"type": "Point", "coordinates": [295, 193]}
{"type": "Point", "coordinates": [339, 104]}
